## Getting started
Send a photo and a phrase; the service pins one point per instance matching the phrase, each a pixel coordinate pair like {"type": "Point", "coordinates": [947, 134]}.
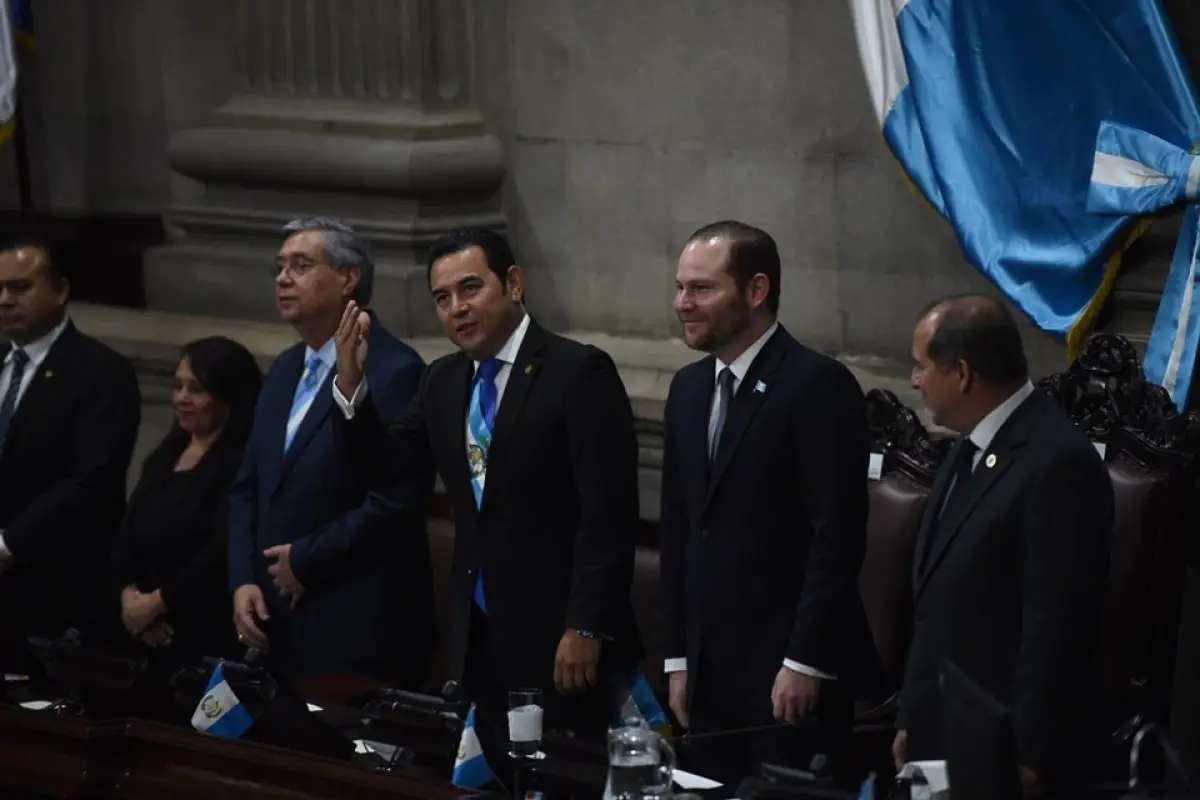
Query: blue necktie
{"type": "Point", "coordinates": [19, 360]}
{"type": "Point", "coordinates": [305, 393]}
{"type": "Point", "coordinates": [480, 419]}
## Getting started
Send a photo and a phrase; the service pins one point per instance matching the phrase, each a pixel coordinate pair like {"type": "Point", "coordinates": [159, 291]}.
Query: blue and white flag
{"type": "Point", "coordinates": [992, 108]}
{"type": "Point", "coordinates": [471, 769]}
{"type": "Point", "coordinates": [220, 712]}
{"type": "Point", "coordinates": [633, 699]}
{"type": "Point", "coordinates": [1135, 172]}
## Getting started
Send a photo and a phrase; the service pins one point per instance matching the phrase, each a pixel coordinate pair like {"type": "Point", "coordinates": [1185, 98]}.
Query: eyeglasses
{"type": "Point", "coordinates": [297, 268]}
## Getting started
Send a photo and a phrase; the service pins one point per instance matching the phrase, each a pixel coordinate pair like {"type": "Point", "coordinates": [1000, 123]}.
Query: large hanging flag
{"type": "Point", "coordinates": [8, 66]}
{"type": "Point", "coordinates": [992, 108]}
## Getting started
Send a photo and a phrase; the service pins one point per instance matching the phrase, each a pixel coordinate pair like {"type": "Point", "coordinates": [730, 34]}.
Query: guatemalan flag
{"type": "Point", "coordinates": [220, 712]}
{"type": "Point", "coordinates": [993, 107]}
{"type": "Point", "coordinates": [471, 769]}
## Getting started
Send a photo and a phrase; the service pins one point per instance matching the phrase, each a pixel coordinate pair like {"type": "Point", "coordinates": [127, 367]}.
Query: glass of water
{"type": "Point", "coordinates": [525, 722]}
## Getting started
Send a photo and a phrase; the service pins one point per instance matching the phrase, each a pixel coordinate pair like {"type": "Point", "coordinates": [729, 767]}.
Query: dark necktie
{"type": "Point", "coordinates": [19, 361]}
{"type": "Point", "coordinates": [955, 490]}
{"type": "Point", "coordinates": [724, 398]}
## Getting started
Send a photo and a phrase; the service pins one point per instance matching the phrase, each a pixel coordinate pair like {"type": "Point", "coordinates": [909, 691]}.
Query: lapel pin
{"type": "Point", "coordinates": [529, 369]}
{"type": "Point", "coordinates": [49, 373]}
{"type": "Point", "coordinates": [991, 460]}
{"type": "Point", "coordinates": [760, 387]}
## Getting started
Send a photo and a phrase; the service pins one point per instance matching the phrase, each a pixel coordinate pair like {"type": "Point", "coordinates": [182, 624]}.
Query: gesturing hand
{"type": "Point", "coordinates": [351, 340]}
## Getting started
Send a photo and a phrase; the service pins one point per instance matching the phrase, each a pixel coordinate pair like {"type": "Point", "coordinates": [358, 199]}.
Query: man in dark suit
{"type": "Point", "coordinates": [764, 508]}
{"type": "Point", "coordinates": [69, 414]}
{"type": "Point", "coordinates": [1012, 556]}
{"type": "Point", "coordinates": [543, 557]}
{"type": "Point", "coordinates": [330, 577]}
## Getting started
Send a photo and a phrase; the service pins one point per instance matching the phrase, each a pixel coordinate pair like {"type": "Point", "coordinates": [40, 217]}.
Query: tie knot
{"type": "Point", "coordinates": [20, 357]}
{"type": "Point", "coordinates": [488, 370]}
{"type": "Point", "coordinates": [725, 378]}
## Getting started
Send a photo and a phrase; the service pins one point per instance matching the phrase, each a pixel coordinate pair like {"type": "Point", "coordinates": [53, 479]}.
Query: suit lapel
{"type": "Point", "coordinates": [929, 516]}
{"type": "Point", "coordinates": [45, 384]}
{"type": "Point", "coordinates": [317, 411]}
{"type": "Point", "coordinates": [278, 408]}
{"type": "Point", "coordinates": [746, 402]}
{"type": "Point", "coordinates": [455, 395]}
{"type": "Point", "coordinates": [521, 376]}
{"type": "Point", "coordinates": [1001, 455]}
{"type": "Point", "coordinates": [693, 441]}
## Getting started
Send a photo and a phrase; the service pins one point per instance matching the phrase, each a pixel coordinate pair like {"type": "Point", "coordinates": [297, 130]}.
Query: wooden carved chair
{"type": "Point", "coordinates": [909, 458]}
{"type": "Point", "coordinates": [1149, 449]}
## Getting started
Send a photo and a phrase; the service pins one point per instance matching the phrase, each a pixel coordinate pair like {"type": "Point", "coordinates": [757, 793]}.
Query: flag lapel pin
{"type": "Point", "coordinates": [760, 388]}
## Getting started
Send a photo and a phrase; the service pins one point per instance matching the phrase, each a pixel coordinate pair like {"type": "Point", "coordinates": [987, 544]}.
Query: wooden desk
{"type": "Point", "coordinates": [44, 756]}
{"type": "Point", "coordinates": [164, 761]}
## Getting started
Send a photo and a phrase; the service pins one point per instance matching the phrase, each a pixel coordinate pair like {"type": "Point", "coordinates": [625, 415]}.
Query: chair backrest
{"type": "Point", "coordinates": [908, 458]}
{"type": "Point", "coordinates": [1149, 450]}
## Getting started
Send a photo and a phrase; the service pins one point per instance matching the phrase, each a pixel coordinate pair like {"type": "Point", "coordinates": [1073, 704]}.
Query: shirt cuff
{"type": "Point", "coordinates": [675, 665]}
{"type": "Point", "coordinates": [804, 669]}
{"type": "Point", "coordinates": [350, 406]}
{"type": "Point", "coordinates": [4, 551]}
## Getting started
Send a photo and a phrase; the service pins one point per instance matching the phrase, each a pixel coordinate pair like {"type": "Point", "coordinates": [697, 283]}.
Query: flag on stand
{"type": "Point", "coordinates": [471, 769]}
{"type": "Point", "coordinates": [993, 108]}
{"type": "Point", "coordinates": [220, 712]}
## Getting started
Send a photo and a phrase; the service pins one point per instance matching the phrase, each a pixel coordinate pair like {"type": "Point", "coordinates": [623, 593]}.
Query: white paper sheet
{"type": "Point", "coordinates": [688, 780]}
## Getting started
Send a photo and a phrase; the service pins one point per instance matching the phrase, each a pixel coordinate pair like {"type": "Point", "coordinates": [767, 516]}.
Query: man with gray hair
{"type": "Point", "coordinates": [327, 577]}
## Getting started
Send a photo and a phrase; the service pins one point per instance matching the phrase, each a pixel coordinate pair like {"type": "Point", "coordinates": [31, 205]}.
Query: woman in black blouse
{"type": "Point", "coordinates": [169, 558]}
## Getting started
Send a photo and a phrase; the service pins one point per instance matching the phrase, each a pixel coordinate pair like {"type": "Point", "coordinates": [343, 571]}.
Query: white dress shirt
{"type": "Point", "coordinates": [37, 351]}
{"type": "Point", "coordinates": [982, 434]}
{"type": "Point", "coordinates": [507, 356]}
{"type": "Point", "coordinates": [739, 368]}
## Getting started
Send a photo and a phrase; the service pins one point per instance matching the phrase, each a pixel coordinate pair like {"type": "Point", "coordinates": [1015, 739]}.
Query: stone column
{"type": "Point", "coordinates": [358, 109]}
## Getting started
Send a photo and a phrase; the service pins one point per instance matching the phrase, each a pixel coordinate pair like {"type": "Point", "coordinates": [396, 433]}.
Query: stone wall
{"type": "Point", "coordinates": [624, 125]}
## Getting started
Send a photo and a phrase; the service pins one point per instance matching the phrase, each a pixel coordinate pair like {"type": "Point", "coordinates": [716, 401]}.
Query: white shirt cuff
{"type": "Point", "coordinates": [675, 665]}
{"type": "Point", "coordinates": [804, 669]}
{"type": "Point", "coordinates": [4, 551]}
{"type": "Point", "coordinates": [350, 406]}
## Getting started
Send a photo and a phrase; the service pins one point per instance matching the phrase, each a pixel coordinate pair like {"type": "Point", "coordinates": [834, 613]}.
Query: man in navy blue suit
{"type": "Point", "coordinates": [328, 577]}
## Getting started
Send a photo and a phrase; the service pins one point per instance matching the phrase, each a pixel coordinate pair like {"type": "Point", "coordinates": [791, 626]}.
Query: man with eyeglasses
{"type": "Point", "coordinates": [327, 577]}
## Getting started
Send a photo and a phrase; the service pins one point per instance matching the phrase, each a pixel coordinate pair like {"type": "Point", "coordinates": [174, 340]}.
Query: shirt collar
{"type": "Point", "coordinates": [741, 364]}
{"type": "Point", "coordinates": [327, 354]}
{"type": "Point", "coordinates": [38, 349]}
{"type": "Point", "coordinates": [508, 353]}
{"type": "Point", "coordinates": [989, 426]}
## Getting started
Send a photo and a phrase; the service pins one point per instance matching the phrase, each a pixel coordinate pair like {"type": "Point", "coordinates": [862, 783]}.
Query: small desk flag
{"type": "Point", "coordinates": [220, 712]}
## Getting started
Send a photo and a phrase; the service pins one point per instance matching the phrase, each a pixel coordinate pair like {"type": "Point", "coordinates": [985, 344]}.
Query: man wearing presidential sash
{"type": "Point", "coordinates": [533, 437]}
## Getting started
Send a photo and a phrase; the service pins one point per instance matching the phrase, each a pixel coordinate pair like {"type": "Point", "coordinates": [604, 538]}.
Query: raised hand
{"type": "Point", "coordinates": [351, 339]}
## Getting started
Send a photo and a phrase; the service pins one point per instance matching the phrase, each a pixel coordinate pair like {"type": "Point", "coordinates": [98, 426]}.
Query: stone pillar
{"type": "Point", "coordinates": [358, 109]}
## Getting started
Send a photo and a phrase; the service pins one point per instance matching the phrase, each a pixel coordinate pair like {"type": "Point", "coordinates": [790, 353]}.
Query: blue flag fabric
{"type": "Point", "coordinates": [220, 712]}
{"type": "Point", "coordinates": [1135, 172]}
{"type": "Point", "coordinates": [992, 108]}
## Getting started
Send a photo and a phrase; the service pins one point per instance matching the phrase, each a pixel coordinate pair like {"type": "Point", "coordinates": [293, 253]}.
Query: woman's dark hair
{"type": "Point", "coordinates": [230, 374]}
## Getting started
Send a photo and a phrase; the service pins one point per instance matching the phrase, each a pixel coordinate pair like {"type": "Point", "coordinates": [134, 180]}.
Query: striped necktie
{"type": "Point", "coordinates": [305, 392]}
{"type": "Point", "coordinates": [20, 359]}
{"type": "Point", "coordinates": [480, 419]}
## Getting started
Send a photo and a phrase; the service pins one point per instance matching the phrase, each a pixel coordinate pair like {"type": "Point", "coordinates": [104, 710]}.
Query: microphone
{"type": "Point", "coordinates": [733, 733]}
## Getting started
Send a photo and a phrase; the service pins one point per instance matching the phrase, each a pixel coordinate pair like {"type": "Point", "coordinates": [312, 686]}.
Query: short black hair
{"type": "Point", "coordinates": [980, 331]}
{"type": "Point", "coordinates": [58, 259]}
{"type": "Point", "coordinates": [751, 251]}
{"type": "Point", "coordinates": [496, 252]}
